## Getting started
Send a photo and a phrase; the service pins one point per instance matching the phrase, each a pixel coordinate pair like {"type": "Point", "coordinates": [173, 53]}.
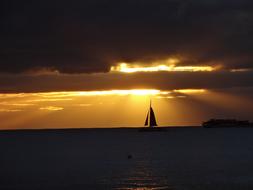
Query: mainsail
{"type": "Point", "coordinates": [150, 119]}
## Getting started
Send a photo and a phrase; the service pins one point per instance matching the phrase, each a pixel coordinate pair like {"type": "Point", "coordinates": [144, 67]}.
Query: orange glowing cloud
{"type": "Point", "coordinates": [10, 110]}
{"type": "Point", "coordinates": [164, 65]}
{"type": "Point", "coordinates": [190, 91]}
{"type": "Point", "coordinates": [51, 108]}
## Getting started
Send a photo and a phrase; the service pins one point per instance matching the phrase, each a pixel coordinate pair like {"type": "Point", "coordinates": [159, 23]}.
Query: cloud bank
{"type": "Point", "coordinates": [109, 81]}
{"type": "Point", "coordinates": [91, 36]}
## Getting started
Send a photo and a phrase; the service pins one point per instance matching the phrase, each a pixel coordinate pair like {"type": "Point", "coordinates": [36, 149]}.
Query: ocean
{"type": "Point", "coordinates": [185, 158]}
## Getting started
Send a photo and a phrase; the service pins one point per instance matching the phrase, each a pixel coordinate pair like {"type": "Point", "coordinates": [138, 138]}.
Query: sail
{"type": "Point", "coordinates": [152, 118]}
{"type": "Point", "coordinates": [146, 121]}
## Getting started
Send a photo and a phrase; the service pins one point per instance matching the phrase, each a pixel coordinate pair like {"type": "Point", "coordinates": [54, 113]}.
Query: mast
{"type": "Point", "coordinates": [150, 102]}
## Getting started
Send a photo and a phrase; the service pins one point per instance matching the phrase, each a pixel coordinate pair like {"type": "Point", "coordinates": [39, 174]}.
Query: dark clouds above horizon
{"type": "Point", "coordinates": [159, 80]}
{"type": "Point", "coordinates": [89, 36]}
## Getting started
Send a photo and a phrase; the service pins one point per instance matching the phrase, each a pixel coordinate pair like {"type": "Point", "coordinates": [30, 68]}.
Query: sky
{"type": "Point", "coordinates": [97, 63]}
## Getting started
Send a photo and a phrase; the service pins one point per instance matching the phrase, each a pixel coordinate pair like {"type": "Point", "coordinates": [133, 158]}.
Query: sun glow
{"type": "Point", "coordinates": [116, 108]}
{"type": "Point", "coordinates": [78, 108]}
{"type": "Point", "coordinates": [137, 92]}
{"type": "Point", "coordinates": [68, 96]}
{"type": "Point", "coordinates": [129, 68]}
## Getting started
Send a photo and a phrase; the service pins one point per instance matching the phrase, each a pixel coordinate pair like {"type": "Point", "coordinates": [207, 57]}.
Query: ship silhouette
{"type": "Point", "coordinates": [150, 121]}
{"type": "Point", "coordinates": [222, 123]}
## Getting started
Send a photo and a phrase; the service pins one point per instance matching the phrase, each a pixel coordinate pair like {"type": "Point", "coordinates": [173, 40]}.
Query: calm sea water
{"type": "Point", "coordinates": [179, 159]}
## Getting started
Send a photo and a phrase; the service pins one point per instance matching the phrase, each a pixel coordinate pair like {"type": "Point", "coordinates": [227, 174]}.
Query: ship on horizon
{"type": "Point", "coordinates": [150, 121]}
{"type": "Point", "coordinates": [222, 123]}
{"type": "Point", "coordinates": [150, 118]}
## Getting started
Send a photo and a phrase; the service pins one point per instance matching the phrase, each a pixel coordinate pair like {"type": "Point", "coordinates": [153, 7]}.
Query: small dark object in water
{"type": "Point", "coordinates": [129, 156]}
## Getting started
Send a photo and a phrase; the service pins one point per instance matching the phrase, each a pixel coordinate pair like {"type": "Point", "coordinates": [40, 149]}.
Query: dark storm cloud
{"type": "Point", "coordinates": [89, 36]}
{"type": "Point", "coordinates": [109, 81]}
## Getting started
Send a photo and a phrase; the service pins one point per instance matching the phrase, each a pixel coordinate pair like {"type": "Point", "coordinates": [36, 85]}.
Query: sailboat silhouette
{"type": "Point", "coordinates": [150, 119]}
{"type": "Point", "coordinates": [150, 122]}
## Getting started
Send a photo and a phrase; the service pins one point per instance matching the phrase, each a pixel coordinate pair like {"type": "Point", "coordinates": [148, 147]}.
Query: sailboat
{"type": "Point", "coordinates": [150, 119]}
{"type": "Point", "coordinates": [150, 122]}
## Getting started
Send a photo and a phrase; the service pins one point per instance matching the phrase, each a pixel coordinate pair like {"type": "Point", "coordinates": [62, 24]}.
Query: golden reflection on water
{"type": "Point", "coordinates": [143, 182]}
{"type": "Point", "coordinates": [142, 177]}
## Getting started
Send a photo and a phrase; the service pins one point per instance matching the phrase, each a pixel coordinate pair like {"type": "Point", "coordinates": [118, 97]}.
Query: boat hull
{"type": "Point", "coordinates": [152, 129]}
